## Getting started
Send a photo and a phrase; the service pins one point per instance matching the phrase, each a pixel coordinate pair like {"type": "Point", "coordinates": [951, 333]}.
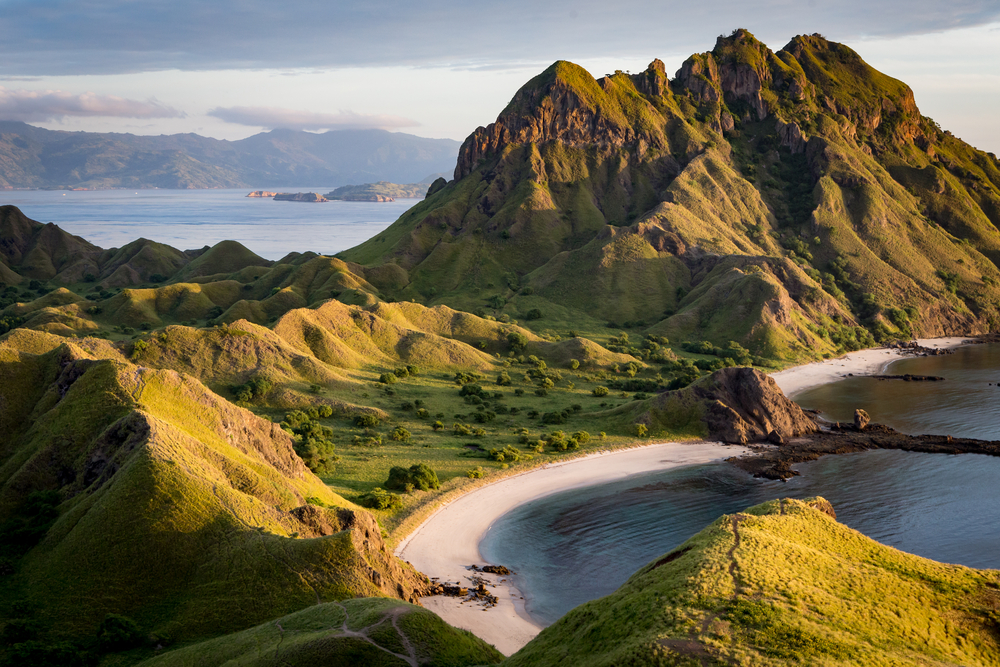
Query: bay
{"type": "Point", "coordinates": [582, 544]}
{"type": "Point", "coordinates": [189, 219]}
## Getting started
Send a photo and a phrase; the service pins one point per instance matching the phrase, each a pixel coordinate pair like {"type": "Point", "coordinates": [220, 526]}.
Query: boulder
{"type": "Point", "coordinates": [861, 419]}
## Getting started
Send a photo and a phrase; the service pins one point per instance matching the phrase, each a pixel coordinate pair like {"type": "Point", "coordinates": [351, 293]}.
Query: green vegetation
{"type": "Point", "coordinates": [777, 584]}
{"type": "Point", "coordinates": [332, 634]}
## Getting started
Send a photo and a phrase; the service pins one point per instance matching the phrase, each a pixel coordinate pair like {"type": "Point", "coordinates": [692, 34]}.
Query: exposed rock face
{"type": "Point", "coordinates": [300, 196]}
{"type": "Point", "coordinates": [744, 405]}
{"type": "Point", "coordinates": [262, 193]}
{"type": "Point", "coordinates": [861, 419]}
{"type": "Point", "coordinates": [439, 184]}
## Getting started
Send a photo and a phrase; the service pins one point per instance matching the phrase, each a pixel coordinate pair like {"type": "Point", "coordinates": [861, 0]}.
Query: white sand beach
{"type": "Point", "coordinates": [863, 362]}
{"type": "Point", "coordinates": [447, 543]}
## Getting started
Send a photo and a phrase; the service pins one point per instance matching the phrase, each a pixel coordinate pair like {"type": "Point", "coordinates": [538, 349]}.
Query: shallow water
{"type": "Point", "coordinates": [188, 219]}
{"type": "Point", "coordinates": [582, 544]}
{"type": "Point", "coordinates": [966, 404]}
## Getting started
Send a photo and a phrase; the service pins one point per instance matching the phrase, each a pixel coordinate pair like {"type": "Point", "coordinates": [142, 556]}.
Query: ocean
{"type": "Point", "coordinates": [582, 544]}
{"type": "Point", "coordinates": [188, 219]}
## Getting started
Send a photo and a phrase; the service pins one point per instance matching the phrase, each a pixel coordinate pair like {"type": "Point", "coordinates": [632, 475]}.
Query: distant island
{"type": "Point", "coordinates": [300, 196]}
{"type": "Point", "coordinates": [263, 194]}
{"type": "Point", "coordinates": [380, 191]}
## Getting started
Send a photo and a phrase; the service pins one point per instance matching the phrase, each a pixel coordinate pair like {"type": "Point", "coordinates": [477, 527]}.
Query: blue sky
{"type": "Point", "coordinates": [439, 68]}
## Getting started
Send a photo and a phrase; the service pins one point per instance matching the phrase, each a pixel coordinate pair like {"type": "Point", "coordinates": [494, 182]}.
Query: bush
{"type": "Point", "coordinates": [541, 391]}
{"type": "Point", "coordinates": [118, 633]}
{"type": "Point", "coordinates": [461, 429]}
{"type": "Point", "coordinates": [311, 440]}
{"type": "Point", "coordinates": [366, 421]}
{"type": "Point", "coordinates": [437, 426]}
{"type": "Point", "coordinates": [641, 430]}
{"type": "Point", "coordinates": [475, 473]}
{"type": "Point", "coordinates": [517, 341]}
{"type": "Point", "coordinates": [574, 364]}
{"type": "Point", "coordinates": [138, 347]}
{"type": "Point", "coordinates": [400, 434]}
{"type": "Point", "coordinates": [553, 418]}
{"type": "Point", "coordinates": [600, 391]}
{"type": "Point", "coordinates": [503, 379]}
{"type": "Point", "coordinates": [387, 378]}
{"type": "Point", "coordinates": [252, 390]}
{"type": "Point", "coordinates": [380, 499]}
{"type": "Point", "coordinates": [508, 454]}
{"type": "Point", "coordinates": [420, 476]}
{"type": "Point", "coordinates": [533, 314]}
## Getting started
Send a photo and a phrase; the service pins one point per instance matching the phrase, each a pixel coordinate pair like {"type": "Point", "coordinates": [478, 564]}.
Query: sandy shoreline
{"type": "Point", "coordinates": [448, 542]}
{"type": "Point", "coordinates": [863, 362]}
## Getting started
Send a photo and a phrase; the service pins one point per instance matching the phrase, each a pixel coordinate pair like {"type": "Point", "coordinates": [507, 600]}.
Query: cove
{"type": "Point", "coordinates": [582, 544]}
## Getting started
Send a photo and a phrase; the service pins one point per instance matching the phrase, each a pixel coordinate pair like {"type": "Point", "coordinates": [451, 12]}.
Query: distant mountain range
{"type": "Point", "coordinates": [33, 157]}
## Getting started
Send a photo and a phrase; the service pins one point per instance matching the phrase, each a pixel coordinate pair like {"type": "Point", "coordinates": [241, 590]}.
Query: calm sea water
{"type": "Point", "coordinates": [583, 544]}
{"type": "Point", "coordinates": [188, 219]}
{"type": "Point", "coordinates": [965, 404]}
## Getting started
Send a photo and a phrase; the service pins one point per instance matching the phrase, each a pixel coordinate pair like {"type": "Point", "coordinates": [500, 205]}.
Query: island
{"type": "Point", "coordinates": [300, 196]}
{"type": "Point", "coordinates": [262, 194]}
{"type": "Point", "coordinates": [381, 191]}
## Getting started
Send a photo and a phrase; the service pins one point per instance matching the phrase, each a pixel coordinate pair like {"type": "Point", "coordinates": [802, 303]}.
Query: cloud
{"type": "Point", "coordinates": [117, 36]}
{"type": "Point", "coordinates": [46, 105]}
{"type": "Point", "coordinates": [271, 118]}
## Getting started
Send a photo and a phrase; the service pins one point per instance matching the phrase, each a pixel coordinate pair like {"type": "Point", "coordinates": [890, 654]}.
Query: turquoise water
{"type": "Point", "coordinates": [188, 219]}
{"type": "Point", "coordinates": [579, 545]}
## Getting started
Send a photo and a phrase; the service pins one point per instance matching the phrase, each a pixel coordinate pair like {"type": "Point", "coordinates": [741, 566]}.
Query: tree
{"type": "Point", "coordinates": [420, 476]}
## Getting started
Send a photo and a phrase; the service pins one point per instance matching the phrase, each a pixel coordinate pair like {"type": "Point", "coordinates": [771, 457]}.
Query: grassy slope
{"type": "Point", "coordinates": [782, 583]}
{"type": "Point", "coordinates": [176, 506]}
{"type": "Point", "coordinates": [391, 632]}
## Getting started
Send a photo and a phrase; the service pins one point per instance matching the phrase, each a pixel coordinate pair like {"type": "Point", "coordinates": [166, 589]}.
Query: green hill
{"type": "Point", "coordinates": [796, 202]}
{"type": "Point", "coordinates": [134, 491]}
{"type": "Point", "coordinates": [778, 584]}
{"type": "Point", "coordinates": [370, 632]}
{"type": "Point", "coordinates": [367, 191]}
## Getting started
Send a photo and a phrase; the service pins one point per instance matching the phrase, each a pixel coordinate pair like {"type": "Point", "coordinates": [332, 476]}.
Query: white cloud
{"type": "Point", "coordinates": [47, 105]}
{"type": "Point", "coordinates": [272, 117]}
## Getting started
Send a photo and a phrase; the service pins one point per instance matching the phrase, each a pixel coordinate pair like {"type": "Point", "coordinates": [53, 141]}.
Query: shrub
{"type": "Point", "coordinates": [600, 391]}
{"type": "Point", "coordinates": [533, 314]}
{"type": "Point", "coordinates": [461, 429]}
{"type": "Point", "coordinates": [400, 434]}
{"type": "Point", "coordinates": [366, 420]}
{"type": "Point", "coordinates": [380, 499]}
{"type": "Point", "coordinates": [517, 341]}
{"type": "Point", "coordinates": [507, 454]}
{"type": "Point", "coordinates": [437, 426]}
{"type": "Point", "coordinates": [541, 391]}
{"type": "Point", "coordinates": [387, 378]}
{"type": "Point", "coordinates": [503, 379]}
{"type": "Point", "coordinates": [582, 437]}
{"type": "Point", "coordinates": [471, 390]}
{"type": "Point", "coordinates": [138, 347]}
{"type": "Point", "coordinates": [553, 418]}
{"type": "Point", "coordinates": [252, 390]}
{"type": "Point", "coordinates": [641, 430]}
{"type": "Point", "coordinates": [519, 392]}
{"type": "Point", "coordinates": [475, 473]}
{"type": "Point", "coordinates": [422, 413]}
{"type": "Point", "coordinates": [419, 475]}
{"type": "Point", "coordinates": [118, 633]}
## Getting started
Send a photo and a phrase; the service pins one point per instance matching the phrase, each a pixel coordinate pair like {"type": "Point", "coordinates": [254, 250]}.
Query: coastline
{"type": "Point", "coordinates": [797, 379]}
{"type": "Point", "coordinates": [447, 542]}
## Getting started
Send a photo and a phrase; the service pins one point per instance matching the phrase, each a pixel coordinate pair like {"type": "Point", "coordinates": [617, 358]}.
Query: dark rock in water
{"type": "Point", "coordinates": [861, 419]}
{"type": "Point", "coordinates": [910, 378]}
{"type": "Point", "coordinates": [492, 569]}
{"type": "Point", "coordinates": [775, 438]}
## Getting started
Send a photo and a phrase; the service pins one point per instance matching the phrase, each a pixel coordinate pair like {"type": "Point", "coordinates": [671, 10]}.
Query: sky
{"type": "Point", "coordinates": [437, 68]}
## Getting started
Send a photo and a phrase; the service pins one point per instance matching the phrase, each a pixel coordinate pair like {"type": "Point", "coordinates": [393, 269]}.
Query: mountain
{"type": "Point", "coordinates": [796, 202]}
{"type": "Point", "coordinates": [32, 157]}
{"type": "Point", "coordinates": [782, 583]}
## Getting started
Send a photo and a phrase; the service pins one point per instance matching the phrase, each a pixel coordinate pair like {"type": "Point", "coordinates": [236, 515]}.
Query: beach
{"type": "Point", "coordinates": [447, 543]}
{"type": "Point", "coordinates": [863, 362]}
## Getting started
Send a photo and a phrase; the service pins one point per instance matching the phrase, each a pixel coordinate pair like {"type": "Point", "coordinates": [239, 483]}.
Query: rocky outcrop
{"type": "Point", "coordinates": [262, 193]}
{"type": "Point", "coordinates": [744, 405]}
{"type": "Point", "coordinates": [861, 419]}
{"type": "Point", "coordinates": [300, 196]}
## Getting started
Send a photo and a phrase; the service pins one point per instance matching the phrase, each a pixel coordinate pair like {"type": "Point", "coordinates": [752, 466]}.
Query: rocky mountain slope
{"type": "Point", "coordinates": [795, 201]}
{"type": "Point", "coordinates": [33, 157]}
{"type": "Point", "coordinates": [778, 584]}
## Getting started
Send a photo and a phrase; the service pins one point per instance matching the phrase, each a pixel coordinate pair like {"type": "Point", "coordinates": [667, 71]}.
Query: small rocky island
{"type": "Point", "coordinates": [261, 194]}
{"type": "Point", "coordinates": [382, 191]}
{"type": "Point", "coordinates": [300, 196]}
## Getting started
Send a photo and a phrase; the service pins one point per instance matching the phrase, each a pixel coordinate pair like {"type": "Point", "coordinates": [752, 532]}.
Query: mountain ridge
{"type": "Point", "coordinates": [33, 157]}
